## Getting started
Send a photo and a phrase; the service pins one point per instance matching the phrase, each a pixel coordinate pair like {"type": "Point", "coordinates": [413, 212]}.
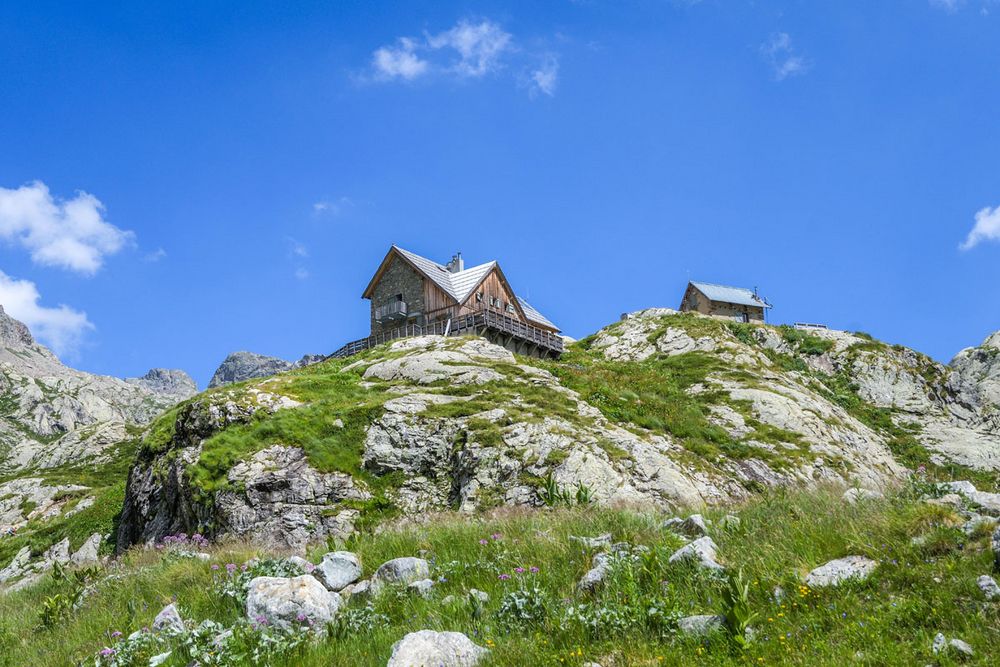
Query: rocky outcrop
{"type": "Point", "coordinates": [462, 423]}
{"type": "Point", "coordinates": [54, 414]}
{"type": "Point", "coordinates": [240, 366]}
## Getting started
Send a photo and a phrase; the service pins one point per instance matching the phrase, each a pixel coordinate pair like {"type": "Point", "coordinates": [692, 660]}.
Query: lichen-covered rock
{"type": "Point", "coordinates": [403, 571]}
{"type": "Point", "coordinates": [428, 648]}
{"type": "Point", "coordinates": [840, 570]}
{"type": "Point", "coordinates": [338, 569]}
{"type": "Point", "coordinates": [989, 587]}
{"type": "Point", "coordinates": [291, 602]}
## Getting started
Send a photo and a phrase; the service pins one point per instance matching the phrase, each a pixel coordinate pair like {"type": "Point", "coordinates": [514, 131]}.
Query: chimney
{"type": "Point", "coordinates": [456, 264]}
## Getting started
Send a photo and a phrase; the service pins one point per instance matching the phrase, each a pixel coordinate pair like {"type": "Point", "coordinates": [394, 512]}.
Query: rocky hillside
{"type": "Point", "coordinates": [661, 408]}
{"type": "Point", "coordinates": [66, 438]}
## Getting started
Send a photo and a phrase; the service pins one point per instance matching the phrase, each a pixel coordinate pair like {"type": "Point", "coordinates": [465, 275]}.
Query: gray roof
{"type": "Point", "coordinates": [460, 285]}
{"type": "Point", "coordinates": [534, 315]}
{"type": "Point", "coordinates": [726, 294]}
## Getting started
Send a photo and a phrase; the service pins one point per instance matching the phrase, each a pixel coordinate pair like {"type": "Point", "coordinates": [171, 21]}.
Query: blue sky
{"type": "Point", "coordinates": [186, 180]}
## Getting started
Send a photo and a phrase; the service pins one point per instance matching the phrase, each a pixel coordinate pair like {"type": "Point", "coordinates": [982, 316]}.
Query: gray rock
{"type": "Point", "coordinates": [693, 526]}
{"type": "Point", "coordinates": [421, 587]}
{"type": "Point", "coordinates": [700, 625]}
{"type": "Point", "coordinates": [169, 621]}
{"type": "Point", "coordinates": [989, 587]}
{"type": "Point", "coordinates": [702, 551]}
{"type": "Point", "coordinates": [593, 542]}
{"type": "Point", "coordinates": [282, 601]}
{"type": "Point", "coordinates": [428, 648]}
{"type": "Point", "coordinates": [595, 576]}
{"type": "Point", "coordinates": [338, 569]}
{"type": "Point", "coordinates": [298, 561]}
{"type": "Point", "coordinates": [855, 495]}
{"type": "Point", "coordinates": [87, 554]}
{"type": "Point", "coordinates": [402, 571]}
{"type": "Point", "coordinates": [995, 545]}
{"type": "Point", "coordinates": [480, 596]}
{"type": "Point", "coordinates": [729, 522]}
{"type": "Point", "coordinates": [958, 646]}
{"type": "Point", "coordinates": [840, 570]}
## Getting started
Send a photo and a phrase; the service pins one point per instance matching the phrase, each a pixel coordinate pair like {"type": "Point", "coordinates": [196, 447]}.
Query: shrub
{"type": "Point", "coordinates": [523, 606]}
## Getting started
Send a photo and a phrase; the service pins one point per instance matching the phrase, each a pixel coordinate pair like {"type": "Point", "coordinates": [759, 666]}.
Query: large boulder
{"type": "Point", "coordinates": [291, 602]}
{"type": "Point", "coordinates": [428, 648]}
{"type": "Point", "coordinates": [338, 569]}
{"type": "Point", "coordinates": [402, 571]}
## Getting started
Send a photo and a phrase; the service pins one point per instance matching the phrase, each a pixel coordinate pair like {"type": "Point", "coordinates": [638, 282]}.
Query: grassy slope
{"type": "Point", "coordinates": [889, 620]}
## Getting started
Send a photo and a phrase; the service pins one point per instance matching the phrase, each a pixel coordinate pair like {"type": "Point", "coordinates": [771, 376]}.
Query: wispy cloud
{"type": "Point", "coordinates": [545, 78]}
{"type": "Point", "coordinates": [297, 248]}
{"type": "Point", "coordinates": [782, 57]}
{"type": "Point", "coordinates": [947, 5]}
{"type": "Point", "coordinates": [154, 256]}
{"type": "Point", "coordinates": [301, 273]}
{"type": "Point", "coordinates": [61, 328]}
{"type": "Point", "coordinates": [332, 207]}
{"type": "Point", "coordinates": [479, 46]}
{"type": "Point", "coordinates": [986, 228]}
{"type": "Point", "coordinates": [70, 234]}
{"type": "Point", "coordinates": [468, 50]}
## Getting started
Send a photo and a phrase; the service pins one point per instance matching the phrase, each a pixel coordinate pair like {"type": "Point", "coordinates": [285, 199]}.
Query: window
{"type": "Point", "coordinates": [479, 297]}
{"type": "Point", "coordinates": [510, 308]}
{"type": "Point", "coordinates": [399, 297]}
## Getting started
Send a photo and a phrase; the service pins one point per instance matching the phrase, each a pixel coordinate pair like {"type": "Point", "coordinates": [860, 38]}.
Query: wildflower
{"type": "Point", "coordinates": [504, 577]}
{"type": "Point", "coordinates": [215, 566]}
{"type": "Point", "coordinates": [230, 567]}
{"type": "Point", "coordinates": [484, 542]}
{"type": "Point", "coordinates": [534, 569]}
{"type": "Point", "coordinates": [116, 634]}
{"type": "Point", "coordinates": [106, 652]}
{"type": "Point", "coordinates": [519, 570]}
{"type": "Point", "coordinates": [496, 536]}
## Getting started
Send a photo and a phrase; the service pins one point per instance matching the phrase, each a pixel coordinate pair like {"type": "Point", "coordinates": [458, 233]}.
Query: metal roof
{"type": "Point", "coordinates": [726, 294]}
{"type": "Point", "coordinates": [460, 285]}
{"type": "Point", "coordinates": [534, 315]}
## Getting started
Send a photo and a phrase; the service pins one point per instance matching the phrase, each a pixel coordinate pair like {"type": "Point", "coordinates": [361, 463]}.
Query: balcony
{"type": "Point", "coordinates": [394, 310]}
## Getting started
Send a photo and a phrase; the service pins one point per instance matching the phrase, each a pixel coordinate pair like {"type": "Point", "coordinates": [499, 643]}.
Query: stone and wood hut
{"type": "Point", "coordinates": [412, 295]}
{"type": "Point", "coordinates": [737, 303]}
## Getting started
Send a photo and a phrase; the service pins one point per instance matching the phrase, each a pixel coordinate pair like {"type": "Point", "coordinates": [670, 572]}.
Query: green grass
{"type": "Point", "coordinates": [803, 342]}
{"type": "Point", "coordinates": [890, 619]}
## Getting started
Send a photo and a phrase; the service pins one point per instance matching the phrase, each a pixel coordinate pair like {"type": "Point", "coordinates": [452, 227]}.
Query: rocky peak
{"type": "Point", "coordinates": [167, 382]}
{"type": "Point", "coordinates": [12, 332]}
{"type": "Point", "coordinates": [243, 365]}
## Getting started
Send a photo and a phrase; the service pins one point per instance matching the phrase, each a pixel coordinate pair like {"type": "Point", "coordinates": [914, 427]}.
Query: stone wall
{"type": "Point", "coordinates": [398, 278]}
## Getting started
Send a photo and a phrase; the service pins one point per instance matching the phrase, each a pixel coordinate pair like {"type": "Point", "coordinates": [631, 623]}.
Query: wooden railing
{"type": "Point", "coordinates": [484, 320]}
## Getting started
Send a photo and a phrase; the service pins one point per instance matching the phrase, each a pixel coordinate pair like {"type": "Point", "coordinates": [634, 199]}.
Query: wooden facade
{"type": "Point", "coordinates": [411, 293]}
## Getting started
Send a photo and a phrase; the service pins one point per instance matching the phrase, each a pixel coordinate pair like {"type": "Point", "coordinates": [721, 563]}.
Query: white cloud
{"type": "Point", "coordinates": [545, 78]}
{"type": "Point", "coordinates": [398, 62]}
{"type": "Point", "coordinates": [479, 46]}
{"type": "Point", "coordinates": [71, 234]}
{"type": "Point", "coordinates": [301, 274]}
{"type": "Point", "coordinates": [61, 328]}
{"type": "Point", "coordinates": [468, 50]}
{"type": "Point", "coordinates": [987, 228]}
{"type": "Point", "coordinates": [782, 57]}
{"type": "Point", "coordinates": [297, 248]}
